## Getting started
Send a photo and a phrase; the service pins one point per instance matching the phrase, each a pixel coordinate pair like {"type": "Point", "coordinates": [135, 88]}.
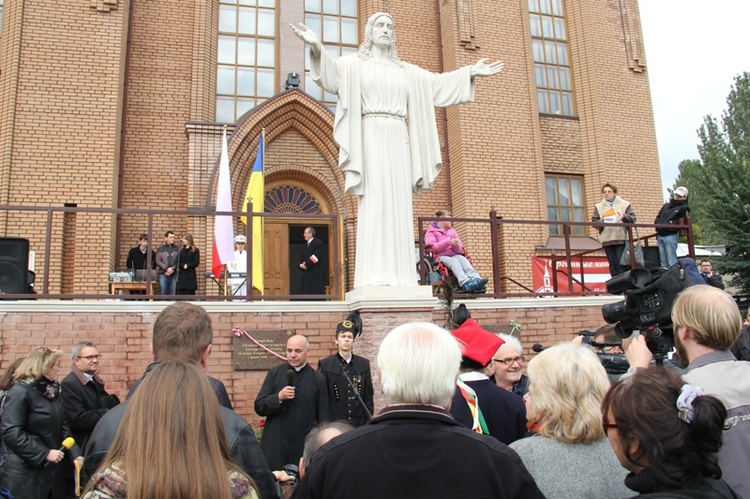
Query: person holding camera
{"type": "Point", "coordinates": [706, 323]}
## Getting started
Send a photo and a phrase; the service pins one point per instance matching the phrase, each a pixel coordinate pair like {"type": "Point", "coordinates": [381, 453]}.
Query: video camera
{"type": "Point", "coordinates": [613, 363]}
{"type": "Point", "coordinates": [647, 306]}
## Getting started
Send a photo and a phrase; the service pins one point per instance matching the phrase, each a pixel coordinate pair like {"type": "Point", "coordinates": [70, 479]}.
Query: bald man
{"type": "Point", "coordinates": [293, 399]}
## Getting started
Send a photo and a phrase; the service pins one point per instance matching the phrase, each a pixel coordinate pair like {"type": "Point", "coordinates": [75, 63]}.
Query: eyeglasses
{"type": "Point", "coordinates": [509, 362]}
{"type": "Point", "coordinates": [608, 192]}
{"type": "Point", "coordinates": [91, 357]}
{"type": "Point", "coordinates": [606, 424]}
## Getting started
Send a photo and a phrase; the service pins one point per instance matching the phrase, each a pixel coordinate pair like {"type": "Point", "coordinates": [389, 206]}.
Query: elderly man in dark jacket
{"type": "Point", "coordinates": [86, 400]}
{"type": "Point", "coordinates": [414, 448]}
{"type": "Point", "coordinates": [183, 332]}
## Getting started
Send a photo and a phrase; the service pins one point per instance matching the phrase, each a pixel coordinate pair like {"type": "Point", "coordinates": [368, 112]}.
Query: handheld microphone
{"type": "Point", "coordinates": [67, 444]}
{"type": "Point", "coordinates": [290, 377]}
{"type": "Point", "coordinates": [538, 348]}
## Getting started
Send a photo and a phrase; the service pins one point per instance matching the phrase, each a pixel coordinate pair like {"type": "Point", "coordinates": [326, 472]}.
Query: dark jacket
{"type": "Point", "coordinates": [714, 280]}
{"type": "Point", "coordinates": [186, 278]}
{"type": "Point", "coordinates": [288, 422]}
{"type": "Point", "coordinates": [343, 403]}
{"type": "Point", "coordinates": [166, 256]}
{"type": "Point", "coordinates": [137, 259]}
{"type": "Point", "coordinates": [312, 278]}
{"type": "Point", "coordinates": [646, 483]}
{"type": "Point", "coordinates": [219, 388]}
{"type": "Point", "coordinates": [671, 213]}
{"type": "Point", "coordinates": [417, 452]}
{"type": "Point", "coordinates": [243, 446]}
{"type": "Point", "coordinates": [32, 425]}
{"type": "Point", "coordinates": [85, 401]}
{"type": "Point", "coordinates": [504, 412]}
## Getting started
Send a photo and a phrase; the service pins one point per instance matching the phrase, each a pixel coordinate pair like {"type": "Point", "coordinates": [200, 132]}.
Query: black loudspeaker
{"type": "Point", "coordinates": [651, 257]}
{"type": "Point", "coordinates": [14, 265]}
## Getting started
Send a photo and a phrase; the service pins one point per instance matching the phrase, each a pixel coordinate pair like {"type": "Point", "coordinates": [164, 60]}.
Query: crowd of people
{"type": "Point", "coordinates": [457, 407]}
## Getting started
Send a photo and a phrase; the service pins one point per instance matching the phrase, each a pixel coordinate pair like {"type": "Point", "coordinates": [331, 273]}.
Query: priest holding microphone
{"type": "Point", "coordinates": [293, 399]}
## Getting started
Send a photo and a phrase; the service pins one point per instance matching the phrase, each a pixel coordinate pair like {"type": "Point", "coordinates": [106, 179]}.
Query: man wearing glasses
{"type": "Point", "coordinates": [85, 400]}
{"type": "Point", "coordinates": [507, 363]}
{"type": "Point", "coordinates": [478, 403]}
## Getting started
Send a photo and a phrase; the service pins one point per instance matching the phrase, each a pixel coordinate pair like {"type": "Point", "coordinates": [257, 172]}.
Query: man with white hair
{"type": "Point", "coordinates": [414, 448]}
{"type": "Point", "coordinates": [507, 365]}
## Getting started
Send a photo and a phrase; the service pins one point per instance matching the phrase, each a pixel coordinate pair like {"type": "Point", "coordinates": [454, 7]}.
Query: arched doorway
{"type": "Point", "coordinates": [283, 240]}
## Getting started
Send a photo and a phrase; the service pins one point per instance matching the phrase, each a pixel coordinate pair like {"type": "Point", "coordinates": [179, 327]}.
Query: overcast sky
{"type": "Point", "coordinates": [694, 49]}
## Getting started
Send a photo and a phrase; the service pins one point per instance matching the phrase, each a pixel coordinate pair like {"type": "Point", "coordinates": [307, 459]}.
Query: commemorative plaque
{"type": "Point", "coordinates": [248, 356]}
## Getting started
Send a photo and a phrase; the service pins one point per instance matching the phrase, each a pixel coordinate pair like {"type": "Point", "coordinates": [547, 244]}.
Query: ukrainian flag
{"type": "Point", "coordinates": [254, 197]}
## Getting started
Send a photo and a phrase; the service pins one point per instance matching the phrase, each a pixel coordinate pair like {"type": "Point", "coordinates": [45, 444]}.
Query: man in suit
{"type": "Point", "coordinates": [309, 262]}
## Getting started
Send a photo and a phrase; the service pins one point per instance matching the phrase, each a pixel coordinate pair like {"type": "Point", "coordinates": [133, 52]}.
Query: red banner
{"type": "Point", "coordinates": [595, 274]}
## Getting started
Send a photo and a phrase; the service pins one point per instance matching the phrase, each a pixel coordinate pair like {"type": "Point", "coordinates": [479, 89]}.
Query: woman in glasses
{"type": "Point", "coordinates": [568, 454]}
{"type": "Point", "coordinates": [666, 433]}
{"type": "Point", "coordinates": [33, 428]}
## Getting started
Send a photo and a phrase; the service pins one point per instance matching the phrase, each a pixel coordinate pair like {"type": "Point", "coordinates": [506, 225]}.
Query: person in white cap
{"type": "Point", "coordinates": [239, 266]}
{"type": "Point", "coordinates": [671, 213]}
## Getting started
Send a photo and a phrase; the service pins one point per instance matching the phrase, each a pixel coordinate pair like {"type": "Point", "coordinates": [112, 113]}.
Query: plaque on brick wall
{"type": "Point", "coordinates": [248, 356]}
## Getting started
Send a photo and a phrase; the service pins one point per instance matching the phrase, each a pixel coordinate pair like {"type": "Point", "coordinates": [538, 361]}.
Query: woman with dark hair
{"type": "Point", "coordinates": [189, 259]}
{"type": "Point", "coordinates": [171, 443]}
{"type": "Point", "coordinates": [667, 434]}
{"type": "Point", "coordinates": [613, 209]}
{"type": "Point", "coordinates": [33, 428]}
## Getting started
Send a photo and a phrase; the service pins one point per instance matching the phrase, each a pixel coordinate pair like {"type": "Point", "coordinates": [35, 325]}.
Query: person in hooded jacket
{"type": "Point", "coordinates": [671, 213]}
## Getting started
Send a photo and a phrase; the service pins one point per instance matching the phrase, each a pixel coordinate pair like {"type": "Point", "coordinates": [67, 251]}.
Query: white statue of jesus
{"type": "Point", "coordinates": [386, 130]}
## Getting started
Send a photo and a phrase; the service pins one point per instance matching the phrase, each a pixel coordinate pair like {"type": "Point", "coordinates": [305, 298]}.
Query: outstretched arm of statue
{"type": "Point", "coordinates": [481, 68]}
{"type": "Point", "coordinates": [308, 36]}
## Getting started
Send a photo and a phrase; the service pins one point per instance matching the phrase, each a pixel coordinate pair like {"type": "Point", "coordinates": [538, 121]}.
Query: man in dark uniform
{"type": "Point", "coordinates": [293, 399]}
{"type": "Point", "coordinates": [344, 367]}
{"type": "Point", "coordinates": [309, 262]}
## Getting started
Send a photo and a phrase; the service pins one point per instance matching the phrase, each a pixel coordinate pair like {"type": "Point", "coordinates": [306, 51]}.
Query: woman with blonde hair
{"type": "Point", "coordinates": [568, 455]}
{"type": "Point", "coordinates": [33, 429]}
{"type": "Point", "coordinates": [171, 443]}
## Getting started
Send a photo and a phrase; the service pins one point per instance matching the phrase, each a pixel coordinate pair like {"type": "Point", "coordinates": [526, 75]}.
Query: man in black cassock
{"type": "Point", "coordinates": [293, 399]}
{"type": "Point", "coordinates": [309, 262]}
{"type": "Point", "coordinates": [344, 403]}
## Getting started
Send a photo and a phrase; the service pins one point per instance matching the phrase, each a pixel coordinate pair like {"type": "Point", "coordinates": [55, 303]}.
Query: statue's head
{"type": "Point", "coordinates": [380, 22]}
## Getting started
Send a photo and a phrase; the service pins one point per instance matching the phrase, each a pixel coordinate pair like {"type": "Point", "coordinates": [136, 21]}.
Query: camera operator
{"type": "Point", "coordinates": [706, 323]}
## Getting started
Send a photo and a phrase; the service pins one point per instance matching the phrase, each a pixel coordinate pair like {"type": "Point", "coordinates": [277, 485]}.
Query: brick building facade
{"type": "Point", "coordinates": [113, 104]}
{"type": "Point", "coordinates": [118, 104]}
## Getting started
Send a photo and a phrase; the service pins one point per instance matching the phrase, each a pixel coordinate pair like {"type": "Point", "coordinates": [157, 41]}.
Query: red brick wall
{"type": "Point", "coordinates": [124, 337]}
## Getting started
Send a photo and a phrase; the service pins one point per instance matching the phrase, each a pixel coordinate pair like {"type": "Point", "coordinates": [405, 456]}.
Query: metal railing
{"type": "Point", "coordinates": [58, 229]}
{"type": "Point", "coordinates": [497, 229]}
